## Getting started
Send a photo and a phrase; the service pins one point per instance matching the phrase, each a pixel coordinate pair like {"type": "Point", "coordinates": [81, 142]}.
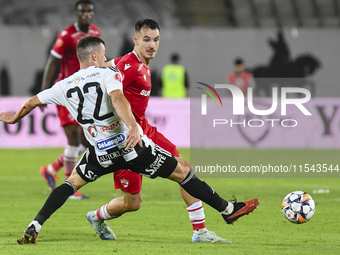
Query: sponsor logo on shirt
{"type": "Point", "coordinates": [145, 92]}
{"type": "Point", "coordinates": [127, 66]}
{"type": "Point", "coordinates": [95, 32]}
{"type": "Point", "coordinates": [156, 165]}
{"type": "Point", "coordinates": [59, 42]}
{"type": "Point", "coordinates": [93, 131]}
{"type": "Point", "coordinates": [111, 142]}
{"type": "Point", "coordinates": [124, 182]}
{"type": "Point", "coordinates": [76, 80]}
{"type": "Point", "coordinates": [92, 75]}
{"type": "Point", "coordinates": [114, 155]}
{"type": "Point", "coordinates": [118, 77]}
{"type": "Point", "coordinates": [112, 126]}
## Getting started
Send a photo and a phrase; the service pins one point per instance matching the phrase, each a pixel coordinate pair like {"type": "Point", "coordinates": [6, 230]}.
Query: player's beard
{"type": "Point", "coordinates": [150, 56]}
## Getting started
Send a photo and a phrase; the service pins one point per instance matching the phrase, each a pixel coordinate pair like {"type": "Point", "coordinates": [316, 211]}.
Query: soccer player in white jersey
{"type": "Point", "coordinates": [94, 97]}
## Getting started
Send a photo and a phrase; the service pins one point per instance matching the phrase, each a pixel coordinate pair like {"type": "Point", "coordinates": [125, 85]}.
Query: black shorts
{"type": "Point", "coordinates": [152, 161]}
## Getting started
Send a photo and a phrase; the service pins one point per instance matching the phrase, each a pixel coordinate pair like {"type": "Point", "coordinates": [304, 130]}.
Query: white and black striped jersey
{"type": "Point", "coordinates": [86, 96]}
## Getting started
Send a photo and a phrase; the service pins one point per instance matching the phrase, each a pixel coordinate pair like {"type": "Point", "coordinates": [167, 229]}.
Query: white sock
{"type": "Point", "coordinates": [36, 225]}
{"type": "Point", "coordinates": [103, 214]}
{"type": "Point", "coordinates": [51, 170]}
{"type": "Point", "coordinates": [70, 159]}
{"type": "Point", "coordinates": [200, 231]}
{"type": "Point", "coordinates": [81, 149]}
{"type": "Point", "coordinates": [229, 209]}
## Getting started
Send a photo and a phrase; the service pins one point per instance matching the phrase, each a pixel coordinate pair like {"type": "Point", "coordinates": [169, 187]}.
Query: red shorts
{"type": "Point", "coordinates": [65, 117]}
{"type": "Point", "coordinates": [131, 182]}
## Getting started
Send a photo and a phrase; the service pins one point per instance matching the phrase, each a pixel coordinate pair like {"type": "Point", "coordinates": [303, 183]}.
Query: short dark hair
{"type": "Point", "coordinates": [85, 46]}
{"type": "Point", "coordinates": [148, 23]}
{"type": "Point", "coordinates": [238, 61]}
{"type": "Point", "coordinates": [82, 2]}
{"type": "Point", "coordinates": [174, 57]}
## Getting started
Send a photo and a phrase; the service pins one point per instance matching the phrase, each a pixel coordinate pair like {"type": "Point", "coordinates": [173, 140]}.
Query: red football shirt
{"type": "Point", "coordinates": [136, 83]}
{"type": "Point", "coordinates": [243, 81]}
{"type": "Point", "coordinates": [65, 46]}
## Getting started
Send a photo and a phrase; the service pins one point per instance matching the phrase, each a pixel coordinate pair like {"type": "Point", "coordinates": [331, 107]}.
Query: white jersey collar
{"type": "Point", "coordinates": [78, 29]}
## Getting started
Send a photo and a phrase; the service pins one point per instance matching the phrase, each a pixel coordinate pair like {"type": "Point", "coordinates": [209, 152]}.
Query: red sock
{"type": "Point", "coordinates": [58, 163]}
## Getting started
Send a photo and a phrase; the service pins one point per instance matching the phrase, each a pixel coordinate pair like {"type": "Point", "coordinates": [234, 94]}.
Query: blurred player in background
{"type": "Point", "coordinates": [137, 87]}
{"type": "Point", "coordinates": [64, 53]}
{"type": "Point", "coordinates": [241, 78]}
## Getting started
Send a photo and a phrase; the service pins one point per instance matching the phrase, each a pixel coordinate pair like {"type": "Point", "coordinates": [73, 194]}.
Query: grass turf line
{"type": "Point", "coordinates": [162, 225]}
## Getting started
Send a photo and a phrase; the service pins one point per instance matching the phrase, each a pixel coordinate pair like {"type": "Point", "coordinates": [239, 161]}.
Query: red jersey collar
{"type": "Point", "coordinates": [139, 59]}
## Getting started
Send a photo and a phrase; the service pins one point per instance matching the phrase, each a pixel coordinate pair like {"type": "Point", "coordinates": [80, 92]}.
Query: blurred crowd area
{"type": "Point", "coordinates": [275, 38]}
{"type": "Point", "coordinates": [173, 13]}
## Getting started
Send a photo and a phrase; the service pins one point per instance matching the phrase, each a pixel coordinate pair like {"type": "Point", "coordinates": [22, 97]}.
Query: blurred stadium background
{"type": "Point", "coordinates": [208, 34]}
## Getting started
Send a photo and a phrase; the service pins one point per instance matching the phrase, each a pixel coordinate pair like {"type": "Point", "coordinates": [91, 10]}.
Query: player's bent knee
{"type": "Point", "coordinates": [132, 202]}
{"type": "Point", "coordinates": [182, 161]}
{"type": "Point", "coordinates": [76, 180]}
{"type": "Point", "coordinates": [185, 163]}
{"type": "Point", "coordinates": [134, 206]}
{"type": "Point", "coordinates": [180, 173]}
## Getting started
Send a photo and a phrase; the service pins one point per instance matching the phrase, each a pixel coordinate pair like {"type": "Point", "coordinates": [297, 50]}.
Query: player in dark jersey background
{"type": "Point", "coordinates": [137, 87]}
{"type": "Point", "coordinates": [64, 53]}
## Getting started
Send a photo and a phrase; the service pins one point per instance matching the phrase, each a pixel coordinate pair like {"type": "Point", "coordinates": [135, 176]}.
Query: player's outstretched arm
{"type": "Point", "coordinates": [25, 109]}
{"type": "Point", "coordinates": [123, 110]}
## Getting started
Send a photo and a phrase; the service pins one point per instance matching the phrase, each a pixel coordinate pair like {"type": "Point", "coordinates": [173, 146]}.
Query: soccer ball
{"type": "Point", "coordinates": [298, 207]}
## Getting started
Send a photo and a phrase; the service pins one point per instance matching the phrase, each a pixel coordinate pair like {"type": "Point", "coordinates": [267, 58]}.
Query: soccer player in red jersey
{"type": "Point", "coordinates": [64, 53]}
{"type": "Point", "coordinates": [137, 87]}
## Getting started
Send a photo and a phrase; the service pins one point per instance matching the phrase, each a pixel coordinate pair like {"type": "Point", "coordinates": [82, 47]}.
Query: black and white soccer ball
{"type": "Point", "coordinates": [298, 207]}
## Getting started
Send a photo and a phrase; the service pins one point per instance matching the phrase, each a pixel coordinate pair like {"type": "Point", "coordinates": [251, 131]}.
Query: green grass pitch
{"type": "Point", "coordinates": [162, 225]}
